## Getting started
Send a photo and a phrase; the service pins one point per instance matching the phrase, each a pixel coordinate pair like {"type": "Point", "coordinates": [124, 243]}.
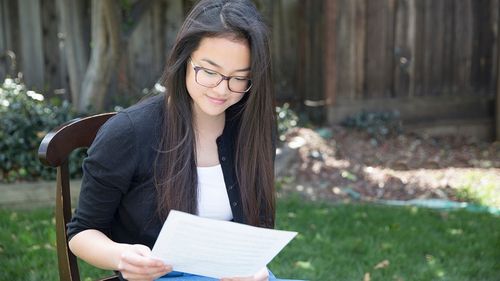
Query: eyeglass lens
{"type": "Point", "coordinates": [211, 79]}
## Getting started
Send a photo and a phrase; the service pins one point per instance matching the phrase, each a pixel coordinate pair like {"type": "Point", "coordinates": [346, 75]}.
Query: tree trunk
{"type": "Point", "coordinates": [74, 45]}
{"type": "Point", "coordinates": [330, 41]}
{"type": "Point", "coordinates": [104, 56]}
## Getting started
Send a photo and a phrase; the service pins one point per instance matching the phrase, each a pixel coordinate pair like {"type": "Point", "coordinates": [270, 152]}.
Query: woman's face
{"type": "Point", "coordinates": [229, 57]}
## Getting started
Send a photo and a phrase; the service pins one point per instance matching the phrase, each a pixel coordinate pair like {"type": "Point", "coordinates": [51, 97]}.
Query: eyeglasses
{"type": "Point", "coordinates": [211, 79]}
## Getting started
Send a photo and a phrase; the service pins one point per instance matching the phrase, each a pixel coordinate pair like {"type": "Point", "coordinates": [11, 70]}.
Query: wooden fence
{"type": "Point", "coordinates": [429, 59]}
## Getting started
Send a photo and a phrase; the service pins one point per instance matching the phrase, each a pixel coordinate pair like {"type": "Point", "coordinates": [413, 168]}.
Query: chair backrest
{"type": "Point", "coordinates": [54, 151]}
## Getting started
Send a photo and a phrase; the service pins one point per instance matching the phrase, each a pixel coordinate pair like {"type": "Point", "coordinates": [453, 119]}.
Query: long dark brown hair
{"type": "Point", "coordinates": [175, 174]}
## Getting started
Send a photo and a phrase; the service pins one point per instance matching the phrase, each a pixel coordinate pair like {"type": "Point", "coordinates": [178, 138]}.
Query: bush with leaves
{"type": "Point", "coordinates": [377, 124]}
{"type": "Point", "coordinates": [25, 118]}
{"type": "Point", "coordinates": [287, 120]}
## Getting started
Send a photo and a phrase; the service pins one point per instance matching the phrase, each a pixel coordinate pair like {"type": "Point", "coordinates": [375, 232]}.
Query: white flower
{"type": "Point", "coordinates": [34, 95]}
{"type": "Point", "coordinates": [8, 82]}
{"type": "Point", "coordinates": [160, 88]}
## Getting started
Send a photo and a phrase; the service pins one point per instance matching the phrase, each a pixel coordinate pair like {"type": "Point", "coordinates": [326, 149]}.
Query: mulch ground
{"type": "Point", "coordinates": [351, 164]}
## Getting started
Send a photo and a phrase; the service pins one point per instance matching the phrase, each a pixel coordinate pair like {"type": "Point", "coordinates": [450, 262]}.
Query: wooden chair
{"type": "Point", "coordinates": [54, 151]}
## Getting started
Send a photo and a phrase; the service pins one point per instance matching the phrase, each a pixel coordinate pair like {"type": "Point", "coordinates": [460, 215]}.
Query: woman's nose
{"type": "Point", "coordinates": [223, 87]}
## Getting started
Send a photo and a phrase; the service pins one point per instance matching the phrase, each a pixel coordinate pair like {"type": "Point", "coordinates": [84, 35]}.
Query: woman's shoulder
{"type": "Point", "coordinates": [140, 120]}
{"type": "Point", "coordinates": [144, 114]}
{"type": "Point", "coordinates": [146, 107]}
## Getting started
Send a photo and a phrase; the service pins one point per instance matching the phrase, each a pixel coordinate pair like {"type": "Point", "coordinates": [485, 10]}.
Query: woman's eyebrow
{"type": "Point", "coordinates": [216, 65]}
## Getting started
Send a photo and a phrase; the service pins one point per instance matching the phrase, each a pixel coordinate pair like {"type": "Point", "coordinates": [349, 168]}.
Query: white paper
{"type": "Point", "coordinates": [216, 248]}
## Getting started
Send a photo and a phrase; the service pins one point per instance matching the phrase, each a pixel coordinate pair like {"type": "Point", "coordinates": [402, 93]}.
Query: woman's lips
{"type": "Point", "coordinates": [216, 101]}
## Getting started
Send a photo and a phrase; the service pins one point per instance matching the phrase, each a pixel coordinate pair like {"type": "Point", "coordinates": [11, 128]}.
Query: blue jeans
{"type": "Point", "coordinates": [180, 276]}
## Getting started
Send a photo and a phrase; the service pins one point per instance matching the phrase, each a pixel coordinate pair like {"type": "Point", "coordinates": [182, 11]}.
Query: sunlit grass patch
{"type": "Point", "coordinates": [479, 187]}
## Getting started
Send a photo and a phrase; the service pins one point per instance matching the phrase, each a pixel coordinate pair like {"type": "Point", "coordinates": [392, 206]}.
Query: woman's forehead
{"type": "Point", "coordinates": [223, 53]}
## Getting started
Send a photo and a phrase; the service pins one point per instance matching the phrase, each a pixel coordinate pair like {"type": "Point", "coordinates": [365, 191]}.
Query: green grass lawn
{"type": "Point", "coordinates": [336, 242]}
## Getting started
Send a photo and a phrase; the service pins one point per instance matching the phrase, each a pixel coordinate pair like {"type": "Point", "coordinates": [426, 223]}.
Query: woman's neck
{"type": "Point", "coordinates": [208, 126]}
{"type": "Point", "coordinates": [207, 129]}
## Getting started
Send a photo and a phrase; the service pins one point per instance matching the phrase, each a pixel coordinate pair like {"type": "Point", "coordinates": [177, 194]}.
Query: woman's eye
{"type": "Point", "coordinates": [209, 72]}
{"type": "Point", "coordinates": [241, 79]}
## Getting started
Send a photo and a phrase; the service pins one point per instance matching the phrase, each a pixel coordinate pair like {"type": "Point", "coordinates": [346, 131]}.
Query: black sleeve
{"type": "Point", "coordinates": [107, 174]}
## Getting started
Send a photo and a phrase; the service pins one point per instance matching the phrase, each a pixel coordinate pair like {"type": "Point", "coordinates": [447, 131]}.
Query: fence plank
{"type": "Point", "coordinates": [9, 23]}
{"type": "Point", "coordinates": [330, 35]}
{"type": "Point", "coordinates": [495, 22]}
{"type": "Point", "coordinates": [359, 47]}
{"type": "Point", "coordinates": [433, 48]}
{"type": "Point", "coordinates": [462, 50]}
{"type": "Point", "coordinates": [404, 44]}
{"type": "Point", "coordinates": [349, 49]}
{"type": "Point", "coordinates": [342, 47]}
{"type": "Point", "coordinates": [4, 61]}
{"type": "Point", "coordinates": [31, 43]}
{"type": "Point", "coordinates": [447, 63]}
{"type": "Point", "coordinates": [285, 40]}
{"type": "Point", "coordinates": [10, 34]}
{"type": "Point", "coordinates": [3, 24]}
{"type": "Point", "coordinates": [311, 59]}
{"type": "Point", "coordinates": [379, 56]}
{"type": "Point", "coordinates": [53, 65]}
{"type": "Point", "coordinates": [482, 54]}
{"type": "Point", "coordinates": [418, 57]}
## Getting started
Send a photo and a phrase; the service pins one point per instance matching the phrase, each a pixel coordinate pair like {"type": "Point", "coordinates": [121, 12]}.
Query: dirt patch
{"type": "Point", "coordinates": [350, 164]}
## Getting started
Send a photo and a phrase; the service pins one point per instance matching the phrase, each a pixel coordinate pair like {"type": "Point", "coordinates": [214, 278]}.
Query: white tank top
{"type": "Point", "coordinates": [213, 201]}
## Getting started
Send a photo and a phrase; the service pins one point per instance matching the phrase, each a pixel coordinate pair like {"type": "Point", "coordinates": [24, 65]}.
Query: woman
{"type": "Point", "coordinates": [205, 147]}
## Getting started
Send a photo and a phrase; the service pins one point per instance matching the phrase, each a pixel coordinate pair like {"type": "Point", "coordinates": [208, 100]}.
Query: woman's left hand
{"type": "Point", "coordinates": [261, 275]}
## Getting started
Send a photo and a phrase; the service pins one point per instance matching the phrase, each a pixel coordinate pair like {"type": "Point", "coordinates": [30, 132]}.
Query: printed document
{"type": "Point", "coordinates": [216, 248]}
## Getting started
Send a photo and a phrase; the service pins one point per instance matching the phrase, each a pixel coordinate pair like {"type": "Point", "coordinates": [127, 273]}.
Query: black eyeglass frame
{"type": "Point", "coordinates": [223, 77]}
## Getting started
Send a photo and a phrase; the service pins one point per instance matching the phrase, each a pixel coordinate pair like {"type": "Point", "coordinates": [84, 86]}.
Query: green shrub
{"type": "Point", "coordinates": [287, 119]}
{"type": "Point", "coordinates": [377, 124]}
{"type": "Point", "coordinates": [25, 118]}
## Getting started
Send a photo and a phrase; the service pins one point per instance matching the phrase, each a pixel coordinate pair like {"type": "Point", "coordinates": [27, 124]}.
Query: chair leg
{"type": "Point", "coordinates": [68, 266]}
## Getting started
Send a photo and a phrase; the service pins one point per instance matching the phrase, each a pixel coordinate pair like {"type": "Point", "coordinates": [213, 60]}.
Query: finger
{"type": "Point", "coordinates": [141, 261]}
{"type": "Point", "coordinates": [146, 270]}
{"type": "Point", "coordinates": [141, 274]}
{"type": "Point", "coordinates": [143, 250]}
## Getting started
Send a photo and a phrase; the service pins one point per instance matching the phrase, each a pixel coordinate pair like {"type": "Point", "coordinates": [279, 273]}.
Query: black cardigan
{"type": "Point", "coordinates": [118, 196]}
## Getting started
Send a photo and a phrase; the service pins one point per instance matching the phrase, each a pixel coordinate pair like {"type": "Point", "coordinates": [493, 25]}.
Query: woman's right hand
{"type": "Point", "coordinates": [136, 264]}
